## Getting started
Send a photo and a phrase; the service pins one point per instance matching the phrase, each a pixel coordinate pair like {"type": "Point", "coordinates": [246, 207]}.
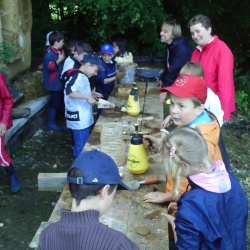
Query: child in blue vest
{"type": "Point", "coordinates": [52, 68]}
{"type": "Point", "coordinates": [105, 80]}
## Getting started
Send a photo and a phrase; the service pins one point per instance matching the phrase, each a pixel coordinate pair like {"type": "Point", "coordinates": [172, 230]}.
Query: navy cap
{"type": "Point", "coordinates": [107, 48]}
{"type": "Point", "coordinates": [97, 169]}
{"type": "Point", "coordinates": [93, 59]}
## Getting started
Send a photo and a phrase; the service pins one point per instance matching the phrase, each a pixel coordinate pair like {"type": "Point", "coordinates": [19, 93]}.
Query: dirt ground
{"type": "Point", "coordinates": [22, 213]}
{"type": "Point", "coordinates": [47, 151]}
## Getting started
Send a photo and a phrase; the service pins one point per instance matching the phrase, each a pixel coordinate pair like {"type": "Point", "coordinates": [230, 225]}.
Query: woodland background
{"type": "Point", "coordinates": [139, 22]}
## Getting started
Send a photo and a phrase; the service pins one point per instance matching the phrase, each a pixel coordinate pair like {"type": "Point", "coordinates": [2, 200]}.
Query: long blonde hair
{"type": "Point", "coordinates": [186, 153]}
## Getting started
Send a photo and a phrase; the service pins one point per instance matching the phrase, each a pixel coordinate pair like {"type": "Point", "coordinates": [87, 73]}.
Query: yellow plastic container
{"type": "Point", "coordinates": [133, 105]}
{"type": "Point", "coordinates": [137, 162]}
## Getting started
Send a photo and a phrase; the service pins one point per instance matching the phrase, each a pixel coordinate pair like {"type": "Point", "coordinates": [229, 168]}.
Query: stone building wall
{"type": "Point", "coordinates": [15, 27]}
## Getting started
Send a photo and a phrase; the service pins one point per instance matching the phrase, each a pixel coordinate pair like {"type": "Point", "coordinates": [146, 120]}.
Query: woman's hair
{"type": "Point", "coordinates": [186, 152]}
{"type": "Point", "coordinates": [192, 68]}
{"type": "Point", "coordinates": [122, 45]}
{"type": "Point", "coordinates": [82, 191]}
{"type": "Point", "coordinates": [176, 31]}
{"type": "Point", "coordinates": [204, 20]}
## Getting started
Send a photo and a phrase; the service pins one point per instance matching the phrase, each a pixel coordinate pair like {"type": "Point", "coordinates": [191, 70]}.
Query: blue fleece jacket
{"type": "Point", "coordinates": [177, 54]}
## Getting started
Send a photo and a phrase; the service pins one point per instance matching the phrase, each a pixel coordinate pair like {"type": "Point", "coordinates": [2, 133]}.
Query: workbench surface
{"type": "Point", "coordinates": [141, 222]}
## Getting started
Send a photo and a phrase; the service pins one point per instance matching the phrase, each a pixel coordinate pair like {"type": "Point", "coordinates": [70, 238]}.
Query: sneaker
{"type": "Point", "coordinates": [14, 183]}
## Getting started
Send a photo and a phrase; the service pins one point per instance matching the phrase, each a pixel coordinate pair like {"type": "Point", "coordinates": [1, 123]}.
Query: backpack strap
{"type": "Point", "coordinates": [67, 74]}
{"type": "Point", "coordinates": [222, 146]}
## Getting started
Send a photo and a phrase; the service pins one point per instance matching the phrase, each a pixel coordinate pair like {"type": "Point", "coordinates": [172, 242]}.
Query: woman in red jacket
{"type": "Point", "coordinates": [217, 61]}
{"type": "Point", "coordinates": [6, 103]}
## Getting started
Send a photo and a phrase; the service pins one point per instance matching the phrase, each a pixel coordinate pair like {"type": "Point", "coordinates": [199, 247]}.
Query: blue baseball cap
{"type": "Point", "coordinates": [107, 48]}
{"type": "Point", "coordinates": [97, 168]}
{"type": "Point", "coordinates": [93, 59]}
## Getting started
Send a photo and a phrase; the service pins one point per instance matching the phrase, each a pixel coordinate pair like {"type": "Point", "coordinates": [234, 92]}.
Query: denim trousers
{"type": "Point", "coordinates": [80, 137]}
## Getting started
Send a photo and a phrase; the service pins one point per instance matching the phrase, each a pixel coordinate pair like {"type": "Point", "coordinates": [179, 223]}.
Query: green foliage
{"type": "Point", "coordinates": [7, 54]}
{"type": "Point", "coordinates": [101, 21]}
{"type": "Point", "coordinates": [231, 22]}
{"type": "Point", "coordinates": [242, 85]}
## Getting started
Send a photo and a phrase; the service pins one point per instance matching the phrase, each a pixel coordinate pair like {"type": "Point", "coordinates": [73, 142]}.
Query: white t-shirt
{"type": "Point", "coordinates": [213, 104]}
{"type": "Point", "coordinates": [78, 112]}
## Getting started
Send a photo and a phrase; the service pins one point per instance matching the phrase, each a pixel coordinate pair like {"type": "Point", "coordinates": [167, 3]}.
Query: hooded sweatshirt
{"type": "Point", "coordinates": [210, 131]}
{"type": "Point", "coordinates": [213, 214]}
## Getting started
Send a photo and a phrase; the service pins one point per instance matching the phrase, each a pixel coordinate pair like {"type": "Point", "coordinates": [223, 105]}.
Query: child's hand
{"type": "Point", "coordinates": [167, 122]}
{"type": "Point", "coordinates": [91, 100]}
{"type": "Point", "coordinates": [170, 219]}
{"type": "Point", "coordinates": [149, 140]}
{"type": "Point", "coordinates": [61, 57]}
{"type": "Point", "coordinates": [96, 94]}
{"type": "Point", "coordinates": [172, 206]}
{"type": "Point", "coordinates": [120, 74]}
{"type": "Point", "coordinates": [156, 197]}
{"type": "Point", "coordinates": [3, 129]}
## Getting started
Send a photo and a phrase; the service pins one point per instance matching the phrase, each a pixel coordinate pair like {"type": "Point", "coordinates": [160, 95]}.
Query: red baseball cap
{"type": "Point", "coordinates": [187, 86]}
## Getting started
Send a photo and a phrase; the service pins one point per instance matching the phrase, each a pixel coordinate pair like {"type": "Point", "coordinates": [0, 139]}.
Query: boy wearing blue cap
{"type": "Point", "coordinates": [105, 80]}
{"type": "Point", "coordinates": [79, 100]}
{"type": "Point", "coordinates": [93, 179]}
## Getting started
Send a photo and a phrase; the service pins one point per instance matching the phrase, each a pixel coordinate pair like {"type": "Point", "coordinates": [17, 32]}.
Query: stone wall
{"type": "Point", "coordinates": [15, 27]}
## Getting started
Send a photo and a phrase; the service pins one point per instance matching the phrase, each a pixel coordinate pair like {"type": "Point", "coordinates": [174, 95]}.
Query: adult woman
{"type": "Point", "coordinates": [206, 218]}
{"type": "Point", "coordinates": [177, 53]}
{"type": "Point", "coordinates": [217, 61]}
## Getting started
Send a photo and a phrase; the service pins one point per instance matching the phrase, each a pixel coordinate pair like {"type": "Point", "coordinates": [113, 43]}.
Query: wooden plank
{"type": "Point", "coordinates": [51, 181]}
{"type": "Point", "coordinates": [35, 240]}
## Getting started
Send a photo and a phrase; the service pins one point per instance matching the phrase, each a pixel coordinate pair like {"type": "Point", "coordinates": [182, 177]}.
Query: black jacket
{"type": "Point", "coordinates": [177, 54]}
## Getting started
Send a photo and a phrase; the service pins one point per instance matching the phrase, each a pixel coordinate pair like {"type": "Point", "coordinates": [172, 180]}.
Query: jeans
{"type": "Point", "coordinates": [80, 138]}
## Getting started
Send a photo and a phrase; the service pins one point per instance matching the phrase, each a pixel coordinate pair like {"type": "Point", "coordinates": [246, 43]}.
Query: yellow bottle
{"type": "Point", "coordinates": [137, 162]}
{"type": "Point", "coordinates": [133, 105]}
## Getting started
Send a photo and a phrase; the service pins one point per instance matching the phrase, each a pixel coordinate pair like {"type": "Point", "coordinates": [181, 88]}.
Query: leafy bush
{"type": "Point", "coordinates": [242, 85]}
{"type": "Point", "coordinates": [7, 54]}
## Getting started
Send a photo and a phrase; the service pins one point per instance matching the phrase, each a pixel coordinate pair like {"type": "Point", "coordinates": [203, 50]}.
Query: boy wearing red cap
{"type": "Point", "coordinates": [188, 94]}
{"type": "Point", "coordinates": [93, 180]}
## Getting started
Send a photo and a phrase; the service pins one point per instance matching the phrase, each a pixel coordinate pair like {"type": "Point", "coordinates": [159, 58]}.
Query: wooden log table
{"type": "Point", "coordinates": [141, 222]}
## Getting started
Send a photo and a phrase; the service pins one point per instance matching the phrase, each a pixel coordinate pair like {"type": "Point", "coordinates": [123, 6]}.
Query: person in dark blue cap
{"type": "Point", "coordinates": [93, 179]}
{"type": "Point", "coordinates": [79, 100]}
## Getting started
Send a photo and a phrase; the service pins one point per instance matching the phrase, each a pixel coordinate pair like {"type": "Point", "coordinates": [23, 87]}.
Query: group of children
{"type": "Point", "coordinates": [196, 161]}
{"type": "Point", "coordinates": [210, 206]}
{"type": "Point", "coordinates": [69, 81]}
{"type": "Point", "coordinates": [198, 170]}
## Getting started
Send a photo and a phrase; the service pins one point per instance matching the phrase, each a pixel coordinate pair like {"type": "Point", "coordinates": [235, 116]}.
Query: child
{"type": "Point", "coordinates": [74, 60]}
{"type": "Point", "coordinates": [105, 80]}
{"type": "Point", "coordinates": [72, 46]}
{"type": "Point", "coordinates": [93, 179]}
{"type": "Point", "coordinates": [188, 94]}
{"type": "Point", "coordinates": [213, 214]}
{"type": "Point", "coordinates": [79, 101]}
{"type": "Point", "coordinates": [52, 68]}
{"type": "Point", "coordinates": [122, 55]}
{"type": "Point", "coordinates": [40, 67]}
{"type": "Point", "coordinates": [6, 103]}
{"type": "Point", "coordinates": [212, 103]}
